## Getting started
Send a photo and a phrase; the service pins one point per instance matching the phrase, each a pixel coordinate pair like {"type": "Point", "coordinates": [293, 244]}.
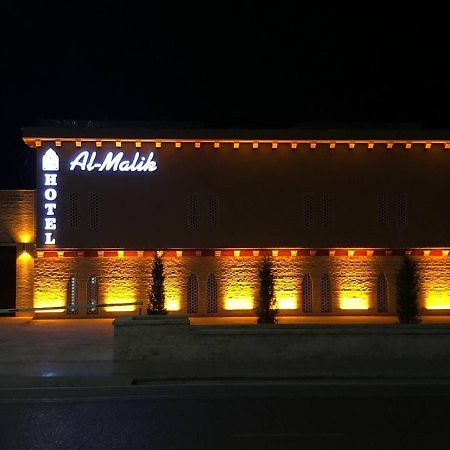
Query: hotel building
{"type": "Point", "coordinates": [335, 210]}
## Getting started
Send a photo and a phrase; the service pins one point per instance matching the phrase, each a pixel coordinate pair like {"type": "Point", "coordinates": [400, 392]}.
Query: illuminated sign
{"type": "Point", "coordinates": [50, 165]}
{"type": "Point", "coordinates": [87, 161]}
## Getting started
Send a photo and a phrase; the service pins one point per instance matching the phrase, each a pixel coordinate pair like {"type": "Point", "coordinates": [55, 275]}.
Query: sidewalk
{"type": "Point", "coordinates": [51, 348]}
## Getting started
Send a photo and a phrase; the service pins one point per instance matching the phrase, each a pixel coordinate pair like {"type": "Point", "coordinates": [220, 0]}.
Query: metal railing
{"type": "Point", "coordinates": [70, 307]}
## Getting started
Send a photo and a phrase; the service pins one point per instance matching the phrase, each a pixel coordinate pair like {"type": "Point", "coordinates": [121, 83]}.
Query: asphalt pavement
{"type": "Point", "coordinates": [229, 415]}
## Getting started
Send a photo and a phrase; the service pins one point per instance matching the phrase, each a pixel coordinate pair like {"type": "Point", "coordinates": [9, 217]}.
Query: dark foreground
{"type": "Point", "coordinates": [316, 415]}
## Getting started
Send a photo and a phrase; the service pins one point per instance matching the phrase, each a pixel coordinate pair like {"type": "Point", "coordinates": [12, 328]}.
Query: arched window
{"type": "Point", "coordinates": [211, 291]}
{"type": "Point", "coordinates": [382, 294]}
{"type": "Point", "coordinates": [92, 295]}
{"type": "Point", "coordinates": [72, 295]}
{"type": "Point", "coordinates": [307, 294]}
{"type": "Point", "coordinates": [192, 300]}
{"type": "Point", "coordinates": [325, 294]}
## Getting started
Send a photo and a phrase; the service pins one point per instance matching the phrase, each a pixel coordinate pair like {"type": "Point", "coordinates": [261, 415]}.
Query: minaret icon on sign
{"type": "Point", "coordinates": [50, 160]}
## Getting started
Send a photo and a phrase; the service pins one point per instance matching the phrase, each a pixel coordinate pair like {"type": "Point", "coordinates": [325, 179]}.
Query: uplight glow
{"type": "Point", "coordinates": [52, 296]}
{"type": "Point", "coordinates": [286, 303]}
{"type": "Point", "coordinates": [173, 304]}
{"type": "Point", "coordinates": [121, 291]}
{"type": "Point", "coordinates": [238, 303]}
{"type": "Point", "coordinates": [353, 303]}
{"type": "Point", "coordinates": [437, 301]}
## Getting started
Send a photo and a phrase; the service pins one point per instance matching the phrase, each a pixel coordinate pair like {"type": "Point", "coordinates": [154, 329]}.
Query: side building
{"type": "Point", "coordinates": [336, 211]}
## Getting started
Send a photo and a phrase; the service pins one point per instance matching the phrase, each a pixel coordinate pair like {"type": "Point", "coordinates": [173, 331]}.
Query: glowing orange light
{"type": "Point", "coordinates": [286, 303]}
{"type": "Point", "coordinates": [173, 304]}
{"type": "Point", "coordinates": [25, 238]}
{"type": "Point", "coordinates": [238, 303]}
{"type": "Point", "coordinates": [352, 302]}
{"type": "Point", "coordinates": [436, 300]}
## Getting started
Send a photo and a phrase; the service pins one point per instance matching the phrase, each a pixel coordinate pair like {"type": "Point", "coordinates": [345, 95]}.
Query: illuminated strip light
{"type": "Point", "coordinates": [37, 141]}
{"type": "Point", "coordinates": [239, 253]}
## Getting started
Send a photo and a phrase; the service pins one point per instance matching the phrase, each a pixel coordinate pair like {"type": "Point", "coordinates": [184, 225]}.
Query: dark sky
{"type": "Point", "coordinates": [237, 65]}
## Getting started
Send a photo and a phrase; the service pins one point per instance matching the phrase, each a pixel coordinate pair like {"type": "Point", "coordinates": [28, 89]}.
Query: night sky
{"type": "Point", "coordinates": [239, 65]}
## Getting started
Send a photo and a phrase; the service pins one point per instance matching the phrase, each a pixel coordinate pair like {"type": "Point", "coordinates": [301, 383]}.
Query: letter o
{"type": "Point", "coordinates": [50, 194]}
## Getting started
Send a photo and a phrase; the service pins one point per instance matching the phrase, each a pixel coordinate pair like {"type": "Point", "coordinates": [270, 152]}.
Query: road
{"type": "Point", "coordinates": [229, 415]}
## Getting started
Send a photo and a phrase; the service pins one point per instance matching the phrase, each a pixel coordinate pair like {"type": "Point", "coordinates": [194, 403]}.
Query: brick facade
{"type": "Point", "coordinates": [128, 279]}
{"type": "Point", "coordinates": [17, 226]}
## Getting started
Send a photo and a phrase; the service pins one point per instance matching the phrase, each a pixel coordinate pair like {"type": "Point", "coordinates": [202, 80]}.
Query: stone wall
{"type": "Point", "coordinates": [124, 279]}
{"type": "Point", "coordinates": [168, 347]}
{"type": "Point", "coordinates": [17, 227]}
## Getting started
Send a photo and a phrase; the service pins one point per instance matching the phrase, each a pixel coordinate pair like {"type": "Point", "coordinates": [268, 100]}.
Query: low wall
{"type": "Point", "coordinates": [169, 347]}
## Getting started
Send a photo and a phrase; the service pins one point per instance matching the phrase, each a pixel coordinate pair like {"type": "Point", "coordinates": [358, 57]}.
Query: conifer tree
{"type": "Point", "coordinates": [157, 293]}
{"type": "Point", "coordinates": [408, 292]}
{"type": "Point", "coordinates": [266, 301]}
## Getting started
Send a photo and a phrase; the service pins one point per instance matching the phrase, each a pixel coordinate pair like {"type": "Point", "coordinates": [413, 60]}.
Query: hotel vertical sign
{"type": "Point", "coordinates": [50, 168]}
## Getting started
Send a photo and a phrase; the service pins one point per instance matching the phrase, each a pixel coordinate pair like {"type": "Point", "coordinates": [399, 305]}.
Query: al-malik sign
{"type": "Point", "coordinates": [88, 161]}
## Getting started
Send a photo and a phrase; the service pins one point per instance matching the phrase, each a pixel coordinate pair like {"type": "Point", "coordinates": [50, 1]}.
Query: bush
{"type": "Point", "coordinates": [407, 292]}
{"type": "Point", "coordinates": [157, 295]}
{"type": "Point", "coordinates": [266, 301]}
